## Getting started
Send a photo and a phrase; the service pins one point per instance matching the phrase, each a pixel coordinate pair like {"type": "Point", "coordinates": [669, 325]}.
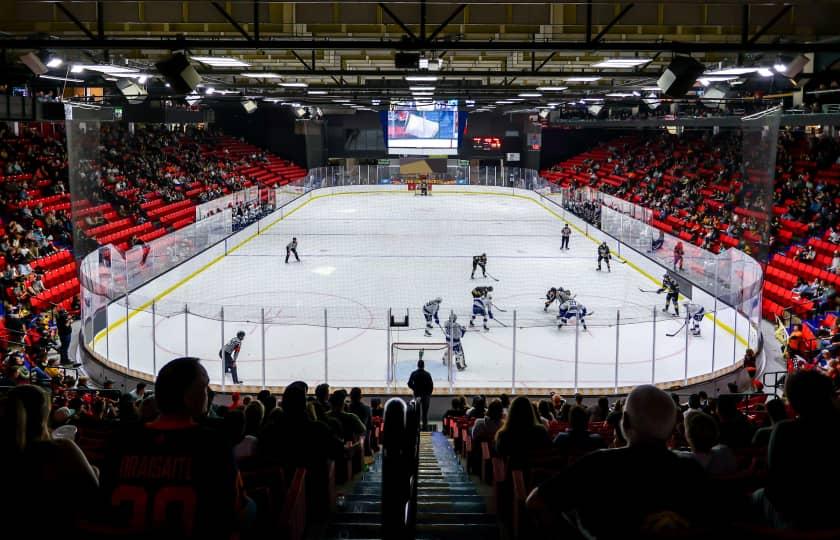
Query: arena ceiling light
{"type": "Point", "coordinates": [294, 84]}
{"type": "Point", "coordinates": [421, 88]}
{"type": "Point", "coordinates": [421, 78]}
{"type": "Point", "coordinates": [422, 94]}
{"type": "Point", "coordinates": [107, 69]}
{"type": "Point", "coordinates": [342, 100]}
{"type": "Point", "coordinates": [220, 61]}
{"type": "Point", "coordinates": [765, 72]}
{"type": "Point", "coordinates": [504, 102]}
{"type": "Point", "coordinates": [65, 79]}
{"type": "Point", "coordinates": [552, 88]}
{"type": "Point", "coordinates": [621, 63]}
{"type": "Point", "coordinates": [317, 92]}
{"type": "Point", "coordinates": [260, 75]}
{"type": "Point", "coordinates": [530, 94]}
{"type": "Point", "coordinates": [706, 81]}
{"type": "Point", "coordinates": [582, 79]}
{"type": "Point", "coordinates": [621, 94]}
{"type": "Point", "coordinates": [732, 71]}
{"type": "Point", "coordinates": [54, 62]}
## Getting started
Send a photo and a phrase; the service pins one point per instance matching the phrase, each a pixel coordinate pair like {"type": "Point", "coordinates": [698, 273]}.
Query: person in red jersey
{"type": "Point", "coordinates": [173, 476]}
{"type": "Point", "coordinates": [679, 252]}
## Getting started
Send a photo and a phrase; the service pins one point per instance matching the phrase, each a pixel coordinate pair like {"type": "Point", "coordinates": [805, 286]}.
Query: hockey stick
{"type": "Point", "coordinates": [649, 290]}
{"type": "Point", "coordinates": [677, 331]}
{"type": "Point", "coordinates": [491, 277]}
{"type": "Point", "coordinates": [500, 322]}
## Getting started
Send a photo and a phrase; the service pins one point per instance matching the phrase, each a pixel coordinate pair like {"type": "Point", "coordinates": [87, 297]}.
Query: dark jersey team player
{"type": "Point", "coordinates": [565, 233]}
{"type": "Point", "coordinates": [604, 255]}
{"type": "Point", "coordinates": [479, 261]}
{"type": "Point", "coordinates": [672, 290]}
{"type": "Point", "coordinates": [172, 477]}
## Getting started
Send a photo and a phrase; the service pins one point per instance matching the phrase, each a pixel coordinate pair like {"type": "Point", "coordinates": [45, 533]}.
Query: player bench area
{"type": "Point", "coordinates": [420, 188]}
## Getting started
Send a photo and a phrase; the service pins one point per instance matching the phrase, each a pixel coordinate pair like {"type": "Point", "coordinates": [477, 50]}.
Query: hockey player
{"type": "Point", "coordinates": [230, 354]}
{"type": "Point", "coordinates": [454, 332]}
{"type": "Point", "coordinates": [604, 255]}
{"type": "Point", "coordinates": [556, 293]}
{"type": "Point", "coordinates": [482, 304]}
{"type": "Point", "coordinates": [568, 309]}
{"type": "Point", "coordinates": [694, 312]}
{"type": "Point", "coordinates": [430, 311]}
{"type": "Point", "coordinates": [672, 289]}
{"type": "Point", "coordinates": [678, 256]}
{"type": "Point", "coordinates": [479, 261]}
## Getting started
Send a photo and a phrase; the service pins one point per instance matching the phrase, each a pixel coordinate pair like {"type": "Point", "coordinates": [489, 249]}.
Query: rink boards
{"type": "Point", "coordinates": [242, 284]}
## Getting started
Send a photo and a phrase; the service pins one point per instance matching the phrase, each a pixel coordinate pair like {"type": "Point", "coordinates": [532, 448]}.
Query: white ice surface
{"type": "Point", "coordinates": [363, 253]}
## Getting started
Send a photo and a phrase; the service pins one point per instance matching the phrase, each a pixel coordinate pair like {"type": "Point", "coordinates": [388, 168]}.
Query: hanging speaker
{"type": "Point", "coordinates": [179, 73]}
{"type": "Point", "coordinates": [715, 97]}
{"type": "Point", "coordinates": [132, 91]}
{"type": "Point", "coordinates": [680, 76]}
{"type": "Point", "coordinates": [34, 63]}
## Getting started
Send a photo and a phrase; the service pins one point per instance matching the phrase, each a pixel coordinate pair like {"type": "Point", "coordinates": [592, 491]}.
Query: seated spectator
{"type": "Point", "coordinates": [702, 434]}
{"type": "Point", "coordinates": [793, 457]}
{"type": "Point", "coordinates": [479, 407]}
{"type": "Point", "coordinates": [351, 427]}
{"type": "Point", "coordinates": [647, 423]}
{"type": "Point", "coordinates": [776, 412]}
{"type": "Point", "coordinates": [735, 430]}
{"type": "Point", "coordinates": [173, 453]}
{"type": "Point", "coordinates": [376, 408]}
{"type": "Point", "coordinates": [600, 412]}
{"type": "Point", "coordinates": [578, 440]}
{"type": "Point", "coordinates": [484, 429]}
{"type": "Point", "coordinates": [314, 443]}
{"type": "Point", "coordinates": [545, 413]}
{"type": "Point", "coordinates": [457, 409]}
{"type": "Point", "coordinates": [43, 464]}
{"type": "Point", "coordinates": [522, 432]}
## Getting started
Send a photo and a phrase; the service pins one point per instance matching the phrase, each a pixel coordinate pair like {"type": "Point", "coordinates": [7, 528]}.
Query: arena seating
{"type": "Point", "coordinates": [629, 167]}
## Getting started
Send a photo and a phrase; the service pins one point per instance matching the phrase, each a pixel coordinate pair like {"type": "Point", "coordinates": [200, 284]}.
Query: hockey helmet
{"type": "Point", "coordinates": [453, 317]}
{"type": "Point", "coordinates": [438, 300]}
{"type": "Point", "coordinates": [240, 334]}
{"type": "Point", "coordinates": [490, 288]}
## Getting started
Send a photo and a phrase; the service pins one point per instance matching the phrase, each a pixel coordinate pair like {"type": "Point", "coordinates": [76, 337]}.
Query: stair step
{"type": "Point", "coordinates": [450, 506]}
{"type": "Point", "coordinates": [456, 517]}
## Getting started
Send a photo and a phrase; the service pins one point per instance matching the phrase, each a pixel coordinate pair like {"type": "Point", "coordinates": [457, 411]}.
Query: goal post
{"type": "Point", "coordinates": [404, 357]}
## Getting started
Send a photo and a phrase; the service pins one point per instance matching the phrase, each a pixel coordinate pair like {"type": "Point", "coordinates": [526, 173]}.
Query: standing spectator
{"type": "Point", "coordinates": [322, 397]}
{"type": "Point", "coordinates": [647, 423]}
{"type": "Point", "coordinates": [268, 401]}
{"type": "Point", "coordinates": [794, 467]}
{"type": "Point", "coordinates": [422, 385]}
{"type": "Point", "coordinates": [600, 412]}
{"type": "Point", "coordinates": [291, 248]}
{"type": "Point", "coordinates": [376, 408]}
{"type": "Point", "coordinates": [362, 411]}
{"type": "Point", "coordinates": [522, 433]}
{"type": "Point", "coordinates": [191, 460]}
{"type": "Point", "coordinates": [735, 430]}
{"type": "Point", "coordinates": [230, 353]}
{"type": "Point", "coordinates": [64, 322]}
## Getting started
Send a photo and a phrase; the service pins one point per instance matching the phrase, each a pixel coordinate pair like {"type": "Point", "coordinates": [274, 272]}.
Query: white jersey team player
{"type": "Point", "coordinates": [571, 308]}
{"type": "Point", "coordinates": [430, 311]}
{"type": "Point", "coordinates": [694, 314]}
{"type": "Point", "coordinates": [454, 332]}
{"type": "Point", "coordinates": [482, 305]}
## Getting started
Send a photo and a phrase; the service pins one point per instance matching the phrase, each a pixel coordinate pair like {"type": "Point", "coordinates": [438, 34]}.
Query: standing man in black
{"type": "Point", "coordinates": [565, 233]}
{"type": "Point", "coordinates": [64, 323]}
{"type": "Point", "coordinates": [422, 385]}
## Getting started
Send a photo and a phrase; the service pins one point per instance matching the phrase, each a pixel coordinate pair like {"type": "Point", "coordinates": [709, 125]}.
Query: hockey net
{"type": "Point", "coordinates": [404, 357]}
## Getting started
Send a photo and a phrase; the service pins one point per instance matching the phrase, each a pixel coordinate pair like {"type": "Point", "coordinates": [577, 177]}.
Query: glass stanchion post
{"type": "Point", "coordinates": [449, 373]}
{"type": "Point", "coordinates": [687, 320]}
{"type": "Point", "coordinates": [653, 351]}
{"type": "Point", "coordinates": [222, 319]}
{"type": "Point", "coordinates": [389, 369]}
{"type": "Point", "coordinates": [154, 340]}
{"type": "Point", "coordinates": [326, 349]}
{"type": "Point", "coordinates": [617, 337]}
{"type": "Point", "coordinates": [577, 344]}
{"type": "Point", "coordinates": [513, 360]}
{"type": "Point", "coordinates": [127, 336]}
{"type": "Point", "coordinates": [262, 342]}
{"type": "Point", "coordinates": [186, 330]}
{"type": "Point", "coordinates": [714, 334]}
{"type": "Point", "coordinates": [735, 334]}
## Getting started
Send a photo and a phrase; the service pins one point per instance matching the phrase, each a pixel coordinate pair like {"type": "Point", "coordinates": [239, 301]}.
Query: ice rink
{"type": "Point", "coordinates": [365, 253]}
